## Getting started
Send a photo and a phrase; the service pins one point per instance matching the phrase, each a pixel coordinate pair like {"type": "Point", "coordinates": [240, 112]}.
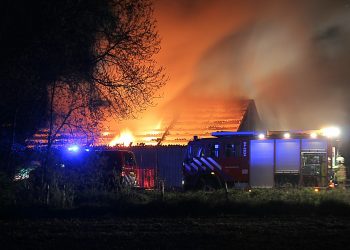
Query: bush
{"type": "Point", "coordinates": [7, 190]}
{"type": "Point", "coordinates": [90, 185]}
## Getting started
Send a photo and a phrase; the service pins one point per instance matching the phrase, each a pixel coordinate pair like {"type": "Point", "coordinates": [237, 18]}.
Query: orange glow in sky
{"type": "Point", "coordinates": [294, 66]}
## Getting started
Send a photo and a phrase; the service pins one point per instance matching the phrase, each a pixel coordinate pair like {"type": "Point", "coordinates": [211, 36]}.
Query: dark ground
{"type": "Point", "coordinates": [231, 232]}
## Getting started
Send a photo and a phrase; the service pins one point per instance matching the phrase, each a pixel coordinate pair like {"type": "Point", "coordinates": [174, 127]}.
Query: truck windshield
{"type": "Point", "coordinates": [195, 151]}
{"type": "Point", "coordinates": [109, 159]}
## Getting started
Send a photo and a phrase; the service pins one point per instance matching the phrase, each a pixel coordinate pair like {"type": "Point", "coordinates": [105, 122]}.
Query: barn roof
{"type": "Point", "coordinates": [181, 120]}
{"type": "Point", "coordinates": [201, 117]}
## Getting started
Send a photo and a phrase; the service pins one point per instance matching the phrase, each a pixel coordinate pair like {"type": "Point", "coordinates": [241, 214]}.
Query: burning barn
{"type": "Point", "coordinates": [166, 156]}
{"type": "Point", "coordinates": [223, 145]}
{"type": "Point", "coordinates": [160, 152]}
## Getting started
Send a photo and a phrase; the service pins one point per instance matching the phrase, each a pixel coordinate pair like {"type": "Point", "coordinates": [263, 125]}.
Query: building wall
{"type": "Point", "coordinates": [166, 160]}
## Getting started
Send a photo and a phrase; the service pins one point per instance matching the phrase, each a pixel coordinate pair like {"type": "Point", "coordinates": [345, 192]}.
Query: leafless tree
{"type": "Point", "coordinates": [122, 76]}
{"type": "Point", "coordinates": [67, 65]}
{"type": "Point", "coordinates": [114, 74]}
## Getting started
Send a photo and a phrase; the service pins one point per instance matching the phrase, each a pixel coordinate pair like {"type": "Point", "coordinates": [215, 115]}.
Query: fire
{"type": "Point", "coordinates": [124, 138]}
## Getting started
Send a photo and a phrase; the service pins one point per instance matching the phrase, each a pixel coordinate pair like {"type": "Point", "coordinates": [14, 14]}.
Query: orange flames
{"type": "Point", "coordinates": [125, 138]}
{"type": "Point", "coordinates": [140, 132]}
{"type": "Point", "coordinates": [178, 121]}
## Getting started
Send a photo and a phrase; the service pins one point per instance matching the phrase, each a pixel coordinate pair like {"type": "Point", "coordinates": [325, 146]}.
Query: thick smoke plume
{"type": "Point", "coordinates": [291, 57]}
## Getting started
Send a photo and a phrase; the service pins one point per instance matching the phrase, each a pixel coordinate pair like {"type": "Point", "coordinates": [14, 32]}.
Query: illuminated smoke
{"type": "Point", "coordinates": [292, 57]}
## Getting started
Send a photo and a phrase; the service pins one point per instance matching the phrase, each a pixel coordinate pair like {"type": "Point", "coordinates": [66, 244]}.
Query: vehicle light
{"type": "Point", "coordinates": [73, 148]}
{"type": "Point", "coordinates": [212, 173]}
{"type": "Point", "coordinates": [261, 136]}
{"type": "Point", "coordinates": [317, 190]}
{"type": "Point", "coordinates": [331, 132]}
{"type": "Point", "coordinates": [313, 135]}
{"type": "Point", "coordinates": [286, 135]}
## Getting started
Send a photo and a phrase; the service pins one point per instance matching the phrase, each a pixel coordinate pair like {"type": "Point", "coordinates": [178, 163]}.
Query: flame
{"type": "Point", "coordinates": [124, 138]}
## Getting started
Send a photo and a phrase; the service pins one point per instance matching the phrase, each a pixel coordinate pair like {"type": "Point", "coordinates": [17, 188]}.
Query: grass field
{"type": "Point", "coordinates": [260, 219]}
{"type": "Point", "coordinates": [133, 203]}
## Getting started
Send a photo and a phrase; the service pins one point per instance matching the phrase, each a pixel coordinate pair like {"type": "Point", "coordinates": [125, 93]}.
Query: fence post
{"type": "Point", "coordinates": [64, 197]}
{"type": "Point", "coordinates": [162, 189]}
{"type": "Point", "coordinates": [48, 195]}
{"type": "Point", "coordinates": [226, 191]}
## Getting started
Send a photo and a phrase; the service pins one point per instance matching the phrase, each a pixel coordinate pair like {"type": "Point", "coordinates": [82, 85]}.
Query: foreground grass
{"type": "Point", "coordinates": [236, 202]}
{"type": "Point", "coordinates": [260, 219]}
{"type": "Point", "coordinates": [230, 232]}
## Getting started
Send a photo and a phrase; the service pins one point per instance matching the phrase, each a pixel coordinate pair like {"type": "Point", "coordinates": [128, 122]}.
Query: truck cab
{"type": "Point", "coordinates": [118, 166]}
{"type": "Point", "coordinates": [214, 162]}
{"type": "Point", "coordinates": [121, 164]}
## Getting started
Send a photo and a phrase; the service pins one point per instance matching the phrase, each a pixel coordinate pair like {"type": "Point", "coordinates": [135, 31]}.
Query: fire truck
{"type": "Point", "coordinates": [117, 164]}
{"type": "Point", "coordinates": [252, 159]}
{"type": "Point", "coordinates": [122, 163]}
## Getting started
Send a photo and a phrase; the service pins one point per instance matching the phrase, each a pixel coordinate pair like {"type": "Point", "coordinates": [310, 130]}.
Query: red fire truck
{"type": "Point", "coordinates": [117, 164]}
{"type": "Point", "coordinates": [121, 163]}
{"type": "Point", "coordinates": [251, 159]}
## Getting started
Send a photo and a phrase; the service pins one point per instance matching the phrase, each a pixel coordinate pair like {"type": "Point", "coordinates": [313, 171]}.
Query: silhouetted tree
{"type": "Point", "coordinates": [67, 64]}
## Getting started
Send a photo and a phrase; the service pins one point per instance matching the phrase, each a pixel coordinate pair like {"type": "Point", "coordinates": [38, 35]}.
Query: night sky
{"type": "Point", "coordinates": [292, 57]}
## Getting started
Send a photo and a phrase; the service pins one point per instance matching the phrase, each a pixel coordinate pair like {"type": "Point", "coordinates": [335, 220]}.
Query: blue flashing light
{"type": "Point", "coordinates": [87, 150]}
{"type": "Point", "coordinates": [73, 148]}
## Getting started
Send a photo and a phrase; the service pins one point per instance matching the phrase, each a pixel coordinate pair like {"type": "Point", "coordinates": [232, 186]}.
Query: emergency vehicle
{"type": "Point", "coordinates": [118, 164]}
{"type": "Point", "coordinates": [121, 163]}
{"type": "Point", "coordinates": [252, 159]}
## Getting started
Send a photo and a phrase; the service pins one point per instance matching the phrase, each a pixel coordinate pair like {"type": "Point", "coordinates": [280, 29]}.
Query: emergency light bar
{"type": "Point", "coordinates": [77, 148]}
{"type": "Point", "coordinates": [332, 132]}
{"type": "Point", "coordinates": [230, 133]}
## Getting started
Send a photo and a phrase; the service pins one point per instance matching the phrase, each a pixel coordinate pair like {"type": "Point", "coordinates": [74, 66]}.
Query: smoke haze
{"type": "Point", "coordinates": [291, 57]}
